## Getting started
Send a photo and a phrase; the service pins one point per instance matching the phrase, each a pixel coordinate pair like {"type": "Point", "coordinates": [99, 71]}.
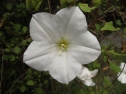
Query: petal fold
{"type": "Point", "coordinates": [43, 26]}
{"type": "Point", "coordinates": [64, 68]}
{"type": "Point", "coordinates": [39, 55]}
{"type": "Point", "coordinates": [87, 40]}
{"type": "Point", "coordinates": [72, 22]}
{"type": "Point", "coordinates": [83, 54]}
{"type": "Point", "coordinates": [85, 48]}
{"type": "Point", "coordinates": [86, 75]}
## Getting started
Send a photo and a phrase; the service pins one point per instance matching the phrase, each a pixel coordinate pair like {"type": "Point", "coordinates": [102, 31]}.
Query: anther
{"type": "Point", "coordinates": [63, 46]}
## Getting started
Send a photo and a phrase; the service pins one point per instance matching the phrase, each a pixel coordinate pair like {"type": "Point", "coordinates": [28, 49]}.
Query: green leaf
{"type": "Point", "coordinates": [66, 3]}
{"type": "Point", "coordinates": [118, 22]}
{"type": "Point", "coordinates": [24, 29]}
{"type": "Point", "coordinates": [109, 26]}
{"type": "Point", "coordinates": [9, 6]}
{"type": "Point", "coordinates": [81, 91]}
{"type": "Point", "coordinates": [107, 81]}
{"type": "Point", "coordinates": [96, 64]}
{"type": "Point", "coordinates": [24, 43]}
{"type": "Point", "coordinates": [5, 57]}
{"type": "Point", "coordinates": [29, 71]}
{"type": "Point", "coordinates": [63, 3]}
{"type": "Point", "coordinates": [27, 77]}
{"type": "Point", "coordinates": [46, 82]}
{"type": "Point", "coordinates": [85, 7]}
{"type": "Point", "coordinates": [30, 83]}
{"type": "Point", "coordinates": [12, 73]}
{"type": "Point", "coordinates": [11, 57]}
{"type": "Point", "coordinates": [39, 90]}
{"type": "Point", "coordinates": [97, 3]}
{"type": "Point", "coordinates": [17, 50]}
{"type": "Point", "coordinates": [105, 92]}
{"type": "Point", "coordinates": [17, 27]}
{"type": "Point", "coordinates": [101, 92]}
{"type": "Point", "coordinates": [114, 67]}
{"type": "Point", "coordinates": [22, 88]}
{"type": "Point", "coordinates": [29, 40]}
{"type": "Point", "coordinates": [98, 27]}
{"type": "Point", "coordinates": [105, 58]}
{"type": "Point", "coordinates": [115, 53]}
{"type": "Point", "coordinates": [7, 50]}
{"type": "Point", "coordinates": [38, 5]}
{"type": "Point", "coordinates": [46, 73]}
{"type": "Point", "coordinates": [125, 31]}
{"type": "Point", "coordinates": [33, 4]}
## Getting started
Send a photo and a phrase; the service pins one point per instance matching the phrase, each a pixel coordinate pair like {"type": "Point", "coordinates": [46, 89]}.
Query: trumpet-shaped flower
{"type": "Point", "coordinates": [122, 76]}
{"type": "Point", "coordinates": [86, 75]}
{"type": "Point", "coordinates": [61, 44]}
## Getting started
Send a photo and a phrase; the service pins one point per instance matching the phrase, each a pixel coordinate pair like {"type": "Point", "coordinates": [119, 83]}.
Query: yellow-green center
{"type": "Point", "coordinates": [62, 45]}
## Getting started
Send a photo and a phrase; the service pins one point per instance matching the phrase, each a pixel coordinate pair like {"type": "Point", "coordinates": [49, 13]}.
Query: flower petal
{"type": "Point", "coordinates": [122, 65]}
{"type": "Point", "coordinates": [72, 22]}
{"type": "Point", "coordinates": [39, 55]}
{"type": "Point", "coordinates": [84, 55]}
{"type": "Point", "coordinates": [87, 40]}
{"type": "Point", "coordinates": [64, 68]}
{"type": "Point", "coordinates": [94, 72]}
{"type": "Point", "coordinates": [73, 67]}
{"type": "Point", "coordinates": [85, 48]}
{"type": "Point", "coordinates": [84, 74]}
{"type": "Point", "coordinates": [43, 26]}
{"type": "Point", "coordinates": [122, 78]}
{"type": "Point", "coordinates": [88, 82]}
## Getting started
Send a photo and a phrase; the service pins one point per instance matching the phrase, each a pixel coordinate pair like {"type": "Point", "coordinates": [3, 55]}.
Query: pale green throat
{"type": "Point", "coordinates": [62, 46]}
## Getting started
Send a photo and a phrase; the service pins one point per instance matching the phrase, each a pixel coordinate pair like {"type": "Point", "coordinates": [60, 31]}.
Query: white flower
{"type": "Point", "coordinates": [122, 76]}
{"type": "Point", "coordinates": [61, 44]}
{"type": "Point", "coordinates": [86, 75]}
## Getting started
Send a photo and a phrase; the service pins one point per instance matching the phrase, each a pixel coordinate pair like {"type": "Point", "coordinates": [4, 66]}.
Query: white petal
{"type": "Point", "coordinates": [94, 72]}
{"type": "Point", "coordinates": [122, 65]}
{"type": "Point", "coordinates": [72, 22]}
{"type": "Point", "coordinates": [88, 82]}
{"type": "Point", "coordinates": [64, 68]}
{"type": "Point", "coordinates": [84, 55]}
{"type": "Point", "coordinates": [87, 40]}
{"type": "Point", "coordinates": [122, 78]}
{"type": "Point", "coordinates": [73, 67]}
{"type": "Point", "coordinates": [39, 55]}
{"type": "Point", "coordinates": [84, 74]}
{"type": "Point", "coordinates": [44, 26]}
{"type": "Point", "coordinates": [85, 48]}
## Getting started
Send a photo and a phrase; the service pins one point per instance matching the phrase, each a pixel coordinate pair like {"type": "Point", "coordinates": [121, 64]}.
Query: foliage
{"type": "Point", "coordinates": [103, 16]}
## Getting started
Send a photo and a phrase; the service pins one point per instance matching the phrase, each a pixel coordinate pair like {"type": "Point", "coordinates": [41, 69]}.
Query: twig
{"type": "Point", "coordinates": [23, 42]}
{"type": "Point", "coordinates": [4, 42]}
{"type": "Point", "coordinates": [1, 71]}
{"type": "Point", "coordinates": [49, 6]}
{"type": "Point", "coordinates": [114, 80]}
{"type": "Point", "coordinates": [15, 82]}
{"type": "Point", "coordinates": [96, 85]}
{"type": "Point", "coordinates": [120, 36]}
{"type": "Point", "coordinates": [93, 31]}
{"type": "Point", "coordinates": [52, 86]}
{"type": "Point", "coordinates": [69, 88]}
{"type": "Point", "coordinates": [80, 85]}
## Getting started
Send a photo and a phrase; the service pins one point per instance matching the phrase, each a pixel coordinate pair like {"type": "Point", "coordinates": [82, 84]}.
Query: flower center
{"type": "Point", "coordinates": [62, 46]}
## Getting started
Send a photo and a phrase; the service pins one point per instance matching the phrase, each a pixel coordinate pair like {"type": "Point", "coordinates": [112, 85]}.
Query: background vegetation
{"type": "Point", "coordinates": [106, 20]}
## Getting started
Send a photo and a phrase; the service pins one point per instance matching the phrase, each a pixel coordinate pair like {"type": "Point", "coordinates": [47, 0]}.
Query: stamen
{"type": "Point", "coordinates": [62, 47]}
